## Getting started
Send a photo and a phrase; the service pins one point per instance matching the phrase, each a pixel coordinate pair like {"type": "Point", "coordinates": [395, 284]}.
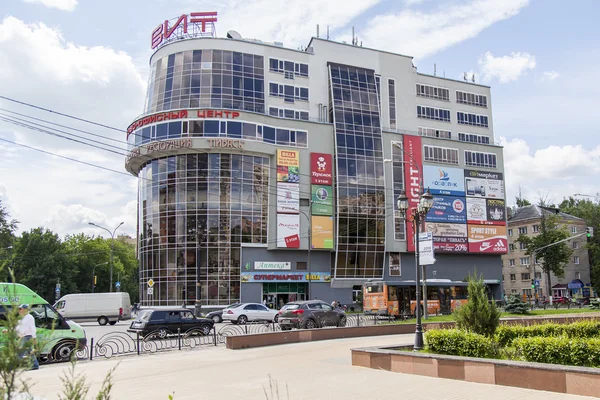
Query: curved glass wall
{"type": "Point", "coordinates": [207, 78]}
{"type": "Point", "coordinates": [195, 211]}
{"type": "Point", "coordinates": [218, 128]}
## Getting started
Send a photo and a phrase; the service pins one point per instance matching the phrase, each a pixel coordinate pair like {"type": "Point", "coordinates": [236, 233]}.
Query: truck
{"type": "Point", "coordinates": [57, 336]}
{"type": "Point", "coordinates": [105, 308]}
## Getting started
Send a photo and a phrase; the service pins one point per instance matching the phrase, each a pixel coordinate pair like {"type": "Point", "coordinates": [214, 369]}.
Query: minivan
{"type": "Point", "coordinates": [106, 308]}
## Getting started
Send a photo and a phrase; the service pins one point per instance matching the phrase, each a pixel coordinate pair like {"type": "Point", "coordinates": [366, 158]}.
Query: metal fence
{"type": "Point", "coordinates": [117, 344]}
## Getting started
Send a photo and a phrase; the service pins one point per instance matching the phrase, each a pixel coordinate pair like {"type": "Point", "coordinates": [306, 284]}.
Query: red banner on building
{"type": "Point", "coordinates": [321, 169]}
{"type": "Point", "coordinates": [413, 165]}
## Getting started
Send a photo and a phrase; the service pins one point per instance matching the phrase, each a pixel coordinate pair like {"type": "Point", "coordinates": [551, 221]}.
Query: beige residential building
{"type": "Point", "coordinates": [518, 269]}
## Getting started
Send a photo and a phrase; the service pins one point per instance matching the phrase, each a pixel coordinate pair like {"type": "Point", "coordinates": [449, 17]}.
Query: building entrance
{"type": "Point", "coordinates": [275, 295]}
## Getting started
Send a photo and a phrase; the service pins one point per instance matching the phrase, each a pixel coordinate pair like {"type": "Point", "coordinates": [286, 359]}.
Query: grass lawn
{"type": "Point", "coordinates": [448, 318]}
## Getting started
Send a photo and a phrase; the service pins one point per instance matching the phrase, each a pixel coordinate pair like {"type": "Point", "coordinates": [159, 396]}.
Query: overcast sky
{"type": "Point", "coordinates": [89, 58]}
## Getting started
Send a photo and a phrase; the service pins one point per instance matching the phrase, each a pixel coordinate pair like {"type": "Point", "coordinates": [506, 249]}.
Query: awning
{"type": "Point", "coordinates": [560, 286]}
{"type": "Point", "coordinates": [575, 284]}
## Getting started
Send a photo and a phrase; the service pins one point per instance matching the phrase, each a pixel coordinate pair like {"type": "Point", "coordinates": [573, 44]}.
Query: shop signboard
{"type": "Point", "coordinates": [321, 232]}
{"type": "Point", "coordinates": [278, 276]}
{"type": "Point", "coordinates": [444, 181]}
{"type": "Point", "coordinates": [322, 200]}
{"type": "Point", "coordinates": [288, 166]}
{"type": "Point", "coordinates": [487, 239]}
{"type": "Point", "coordinates": [272, 265]}
{"type": "Point", "coordinates": [489, 185]}
{"type": "Point", "coordinates": [496, 211]}
{"type": "Point", "coordinates": [447, 209]}
{"type": "Point", "coordinates": [412, 180]}
{"type": "Point", "coordinates": [288, 231]}
{"type": "Point", "coordinates": [288, 198]}
{"type": "Point", "coordinates": [448, 238]}
{"type": "Point", "coordinates": [321, 169]}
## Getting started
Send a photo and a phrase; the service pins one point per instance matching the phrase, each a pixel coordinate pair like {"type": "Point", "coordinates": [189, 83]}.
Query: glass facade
{"type": "Point", "coordinates": [195, 211]}
{"type": "Point", "coordinates": [360, 180]}
{"type": "Point", "coordinates": [207, 78]}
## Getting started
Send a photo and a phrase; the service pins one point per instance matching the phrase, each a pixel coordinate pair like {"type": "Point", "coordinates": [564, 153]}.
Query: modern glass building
{"type": "Point", "coordinates": [271, 174]}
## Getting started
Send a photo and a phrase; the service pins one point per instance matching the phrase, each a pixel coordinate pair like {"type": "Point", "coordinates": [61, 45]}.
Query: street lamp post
{"type": "Point", "coordinates": [416, 216]}
{"type": "Point", "coordinates": [112, 249]}
{"type": "Point", "coordinates": [309, 248]}
{"type": "Point", "coordinates": [94, 275]}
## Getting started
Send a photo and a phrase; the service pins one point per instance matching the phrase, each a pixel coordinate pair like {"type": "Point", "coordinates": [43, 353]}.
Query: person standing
{"type": "Point", "coordinates": [26, 332]}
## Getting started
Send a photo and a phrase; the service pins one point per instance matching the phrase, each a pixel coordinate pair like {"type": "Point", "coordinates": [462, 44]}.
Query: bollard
{"type": "Point", "coordinates": [91, 349]}
{"type": "Point", "coordinates": [138, 342]}
{"type": "Point", "coordinates": [179, 337]}
{"type": "Point", "coordinates": [215, 335]}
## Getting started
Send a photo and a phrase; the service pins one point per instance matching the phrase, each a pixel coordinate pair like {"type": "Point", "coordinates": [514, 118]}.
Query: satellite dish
{"type": "Point", "coordinates": [234, 35]}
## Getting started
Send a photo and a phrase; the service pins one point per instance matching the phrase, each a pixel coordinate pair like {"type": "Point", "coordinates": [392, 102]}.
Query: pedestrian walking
{"type": "Point", "coordinates": [26, 332]}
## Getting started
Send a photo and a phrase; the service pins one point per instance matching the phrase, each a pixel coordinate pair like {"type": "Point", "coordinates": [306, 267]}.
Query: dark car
{"type": "Point", "coordinates": [217, 316]}
{"type": "Point", "coordinates": [165, 322]}
{"type": "Point", "coordinates": [310, 315]}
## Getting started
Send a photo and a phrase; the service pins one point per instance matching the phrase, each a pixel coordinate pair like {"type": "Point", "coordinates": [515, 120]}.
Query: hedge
{"type": "Point", "coordinates": [559, 350]}
{"type": "Point", "coordinates": [457, 342]}
{"type": "Point", "coordinates": [505, 334]}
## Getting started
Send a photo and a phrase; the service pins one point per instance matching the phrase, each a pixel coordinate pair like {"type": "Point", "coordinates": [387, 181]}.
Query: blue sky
{"type": "Point", "coordinates": [539, 56]}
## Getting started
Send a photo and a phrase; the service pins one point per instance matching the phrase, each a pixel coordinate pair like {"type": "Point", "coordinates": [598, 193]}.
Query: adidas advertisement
{"type": "Point", "coordinates": [487, 239]}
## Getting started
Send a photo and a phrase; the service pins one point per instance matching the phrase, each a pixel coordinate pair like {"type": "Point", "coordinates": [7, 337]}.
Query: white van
{"type": "Point", "coordinates": [106, 308]}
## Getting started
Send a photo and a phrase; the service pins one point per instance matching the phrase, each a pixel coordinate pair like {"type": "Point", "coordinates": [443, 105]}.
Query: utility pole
{"type": "Point", "coordinates": [112, 250]}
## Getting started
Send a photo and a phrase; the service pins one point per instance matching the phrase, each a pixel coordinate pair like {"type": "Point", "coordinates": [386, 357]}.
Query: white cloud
{"type": "Point", "coordinates": [65, 5]}
{"type": "Point", "coordinates": [506, 68]}
{"type": "Point", "coordinates": [423, 33]}
{"type": "Point", "coordinates": [550, 75]}
{"type": "Point", "coordinates": [558, 171]}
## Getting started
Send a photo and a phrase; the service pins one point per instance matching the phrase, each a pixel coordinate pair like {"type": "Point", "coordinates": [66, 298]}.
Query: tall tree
{"type": "Point", "coordinates": [8, 227]}
{"type": "Point", "coordinates": [554, 258]}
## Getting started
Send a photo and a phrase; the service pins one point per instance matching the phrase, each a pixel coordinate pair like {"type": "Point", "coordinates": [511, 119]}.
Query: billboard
{"type": "Point", "coordinates": [448, 238]}
{"type": "Point", "coordinates": [487, 239]}
{"type": "Point", "coordinates": [426, 256]}
{"type": "Point", "coordinates": [496, 211]}
{"type": "Point", "coordinates": [445, 181]}
{"type": "Point", "coordinates": [321, 169]}
{"type": "Point", "coordinates": [321, 232]}
{"type": "Point", "coordinates": [412, 181]}
{"type": "Point", "coordinates": [288, 231]}
{"type": "Point", "coordinates": [288, 198]}
{"type": "Point", "coordinates": [484, 184]}
{"type": "Point", "coordinates": [394, 263]}
{"type": "Point", "coordinates": [486, 211]}
{"type": "Point", "coordinates": [447, 209]}
{"type": "Point", "coordinates": [322, 200]}
{"type": "Point", "coordinates": [476, 211]}
{"type": "Point", "coordinates": [288, 166]}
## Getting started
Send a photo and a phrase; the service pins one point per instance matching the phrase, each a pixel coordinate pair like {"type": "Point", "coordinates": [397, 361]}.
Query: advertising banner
{"type": "Point", "coordinates": [487, 239]}
{"type": "Point", "coordinates": [484, 184]}
{"type": "Point", "coordinates": [447, 209]}
{"type": "Point", "coordinates": [288, 166]}
{"type": "Point", "coordinates": [426, 256]}
{"type": "Point", "coordinates": [288, 198]}
{"type": "Point", "coordinates": [322, 232]}
{"type": "Point", "coordinates": [272, 265]}
{"type": "Point", "coordinates": [288, 231]}
{"type": "Point", "coordinates": [445, 181]}
{"type": "Point", "coordinates": [253, 277]}
{"type": "Point", "coordinates": [412, 181]}
{"type": "Point", "coordinates": [395, 264]}
{"type": "Point", "coordinates": [496, 211]}
{"type": "Point", "coordinates": [476, 210]}
{"type": "Point", "coordinates": [448, 238]}
{"type": "Point", "coordinates": [321, 169]}
{"type": "Point", "coordinates": [322, 200]}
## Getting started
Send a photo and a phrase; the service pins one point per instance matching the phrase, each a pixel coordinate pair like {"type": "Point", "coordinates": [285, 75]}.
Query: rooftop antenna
{"type": "Point", "coordinates": [473, 77]}
{"type": "Point", "coordinates": [353, 43]}
{"type": "Point", "coordinates": [317, 30]}
{"type": "Point", "coordinates": [434, 69]}
{"type": "Point", "coordinates": [444, 71]}
{"type": "Point", "coordinates": [465, 76]}
{"type": "Point", "coordinates": [327, 32]}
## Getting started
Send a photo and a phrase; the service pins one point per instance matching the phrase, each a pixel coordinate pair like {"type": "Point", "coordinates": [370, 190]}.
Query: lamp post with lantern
{"type": "Point", "coordinates": [416, 216]}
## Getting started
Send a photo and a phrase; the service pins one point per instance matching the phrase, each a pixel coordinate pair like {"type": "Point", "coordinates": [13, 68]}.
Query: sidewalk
{"type": "Point", "coordinates": [317, 370]}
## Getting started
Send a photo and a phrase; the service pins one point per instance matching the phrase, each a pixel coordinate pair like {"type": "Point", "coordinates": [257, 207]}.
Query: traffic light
{"type": "Point", "coordinates": [589, 232]}
{"type": "Point", "coordinates": [533, 283]}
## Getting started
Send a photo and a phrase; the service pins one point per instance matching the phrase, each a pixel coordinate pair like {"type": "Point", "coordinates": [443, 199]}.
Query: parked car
{"type": "Point", "coordinates": [249, 312]}
{"type": "Point", "coordinates": [217, 316]}
{"type": "Point", "coordinates": [106, 308]}
{"type": "Point", "coordinates": [310, 315]}
{"type": "Point", "coordinates": [165, 322]}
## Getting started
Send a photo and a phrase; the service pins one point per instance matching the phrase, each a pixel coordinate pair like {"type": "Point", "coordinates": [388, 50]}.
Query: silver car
{"type": "Point", "coordinates": [249, 312]}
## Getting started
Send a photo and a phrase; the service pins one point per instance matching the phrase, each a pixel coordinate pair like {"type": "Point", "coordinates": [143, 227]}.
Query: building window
{"type": "Point", "coordinates": [522, 246]}
{"type": "Point", "coordinates": [472, 119]}
{"type": "Point", "coordinates": [378, 88]}
{"type": "Point", "coordinates": [575, 245]}
{"type": "Point", "coordinates": [577, 275]}
{"type": "Point", "coordinates": [288, 113]}
{"type": "Point", "coordinates": [433, 92]}
{"type": "Point", "coordinates": [478, 159]}
{"type": "Point", "coordinates": [573, 229]}
{"type": "Point", "coordinates": [513, 291]}
{"type": "Point", "coordinates": [535, 228]}
{"type": "Point", "coordinates": [525, 276]}
{"type": "Point", "coordinates": [471, 99]}
{"type": "Point", "coordinates": [301, 266]}
{"type": "Point", "coordinates": [432, 132]}
{"type": "Point", "coordinates": [512, 262]}
{"type": "Point", "coordinates": [513, 277]}
{"type": "Point", "coordinates": [392, 97]}
{"type": "Point", "coordinates": [473, 138]}
{"type": "Point", "coordinates": [527, 292]}
{"type": "Point", "coordinates": [510, 232]}
{"type": "Point", "coordinates": [523, 230]}
{"type": "Point", "coordinates": [511, 247]}
{"type": "Point", "coordinates": [290, 69]}
{"type": "Point", "coordinates": [576, 260]}
{"type": "Point", "coordinates": [524, 260]}
{"type": "Point", "coordinates": [289, 93]}
{"type": "Point", "coordinates": [538, 275]}
{"type": "Point", "coordinates": [438, 114]}
{"type": "Point", "coordinates": [440, 154]}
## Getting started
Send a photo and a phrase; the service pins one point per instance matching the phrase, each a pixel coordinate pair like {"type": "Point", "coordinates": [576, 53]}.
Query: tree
{"type": "Point", "coordinates": [553, 259]}
{"type": "Point", "coordinates": [521, 202]}
{"type": "Point", "coordinates": [515, 305]}
{"type": "Point", "coordinates": [7, 235]}
{"type": "Point", "coordinates": [478, 315]}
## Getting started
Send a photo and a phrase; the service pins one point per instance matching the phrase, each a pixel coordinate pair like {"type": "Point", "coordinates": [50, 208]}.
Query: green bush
{"type": "Point", "coordinates": [595, 304]}
{"type": "Point", "coordinates": [515, 305]}
{"type": "Point", "coordinates": [460, 343]}
{"type": "Point", "coordinates": [478, 315]}
{"type": "Point", "coordinates": [505, 334]}
{"type": "Point", "coordinates": [583, 352]}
